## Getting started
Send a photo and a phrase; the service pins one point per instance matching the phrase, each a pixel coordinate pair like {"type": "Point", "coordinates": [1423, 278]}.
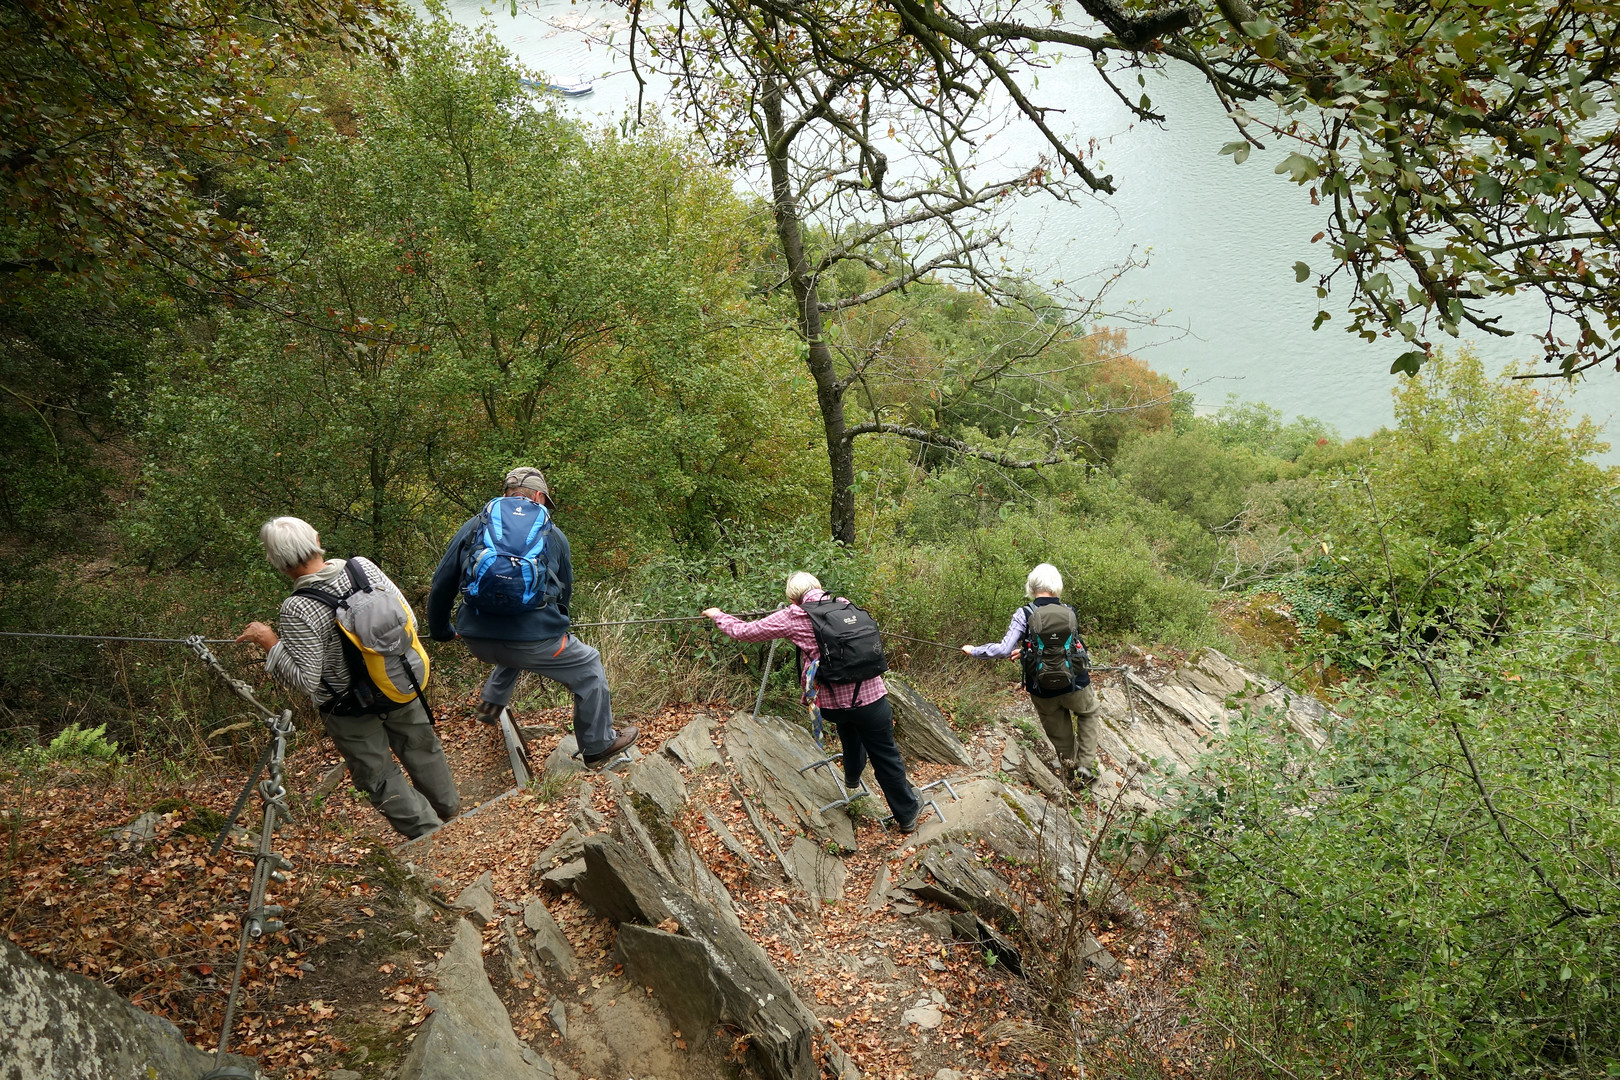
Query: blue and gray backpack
{"type": "Point", "coordinates": [506, 571]}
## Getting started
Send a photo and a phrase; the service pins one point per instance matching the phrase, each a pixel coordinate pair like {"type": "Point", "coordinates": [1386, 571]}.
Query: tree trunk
{"type": "Point", "coordinates": [829, 392]}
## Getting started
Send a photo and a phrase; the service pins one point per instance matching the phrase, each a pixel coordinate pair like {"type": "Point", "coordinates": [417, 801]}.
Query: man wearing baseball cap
{"type": "Point", "coordinates": [510, 564]}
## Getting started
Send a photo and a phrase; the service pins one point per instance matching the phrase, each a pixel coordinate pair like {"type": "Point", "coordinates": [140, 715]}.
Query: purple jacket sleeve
{"type": "Point", "coordinates": [1008, 645]}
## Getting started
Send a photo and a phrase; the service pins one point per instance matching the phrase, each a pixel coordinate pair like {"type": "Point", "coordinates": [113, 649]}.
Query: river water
{"type": "Point", "coordinates": [1216, 307]}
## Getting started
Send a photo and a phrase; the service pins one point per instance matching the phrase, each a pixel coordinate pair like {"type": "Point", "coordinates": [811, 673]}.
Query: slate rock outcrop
{"type": "Point", "coordinates": [920, 729]}
{"type": "Point", "coordinates": [55, 1025]}
{"type": "Point", "coordinates": [469, 1034]}
{"type": "Point", "coordinates": [707, 971]}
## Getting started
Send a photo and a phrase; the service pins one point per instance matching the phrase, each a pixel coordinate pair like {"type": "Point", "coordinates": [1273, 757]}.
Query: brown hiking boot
{"type": "Point", "coordinates": [626, 739]}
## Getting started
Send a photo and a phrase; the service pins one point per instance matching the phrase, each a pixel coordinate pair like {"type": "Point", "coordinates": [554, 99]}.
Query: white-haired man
{"type": "Point", "coordinates": [859, 710]}
{"type": "Point", "coordinates": [1045, 635]}
{"type": "Point", "coordinates": [528, 632]}
{"type": "Point", "coordinates": [308, 655]}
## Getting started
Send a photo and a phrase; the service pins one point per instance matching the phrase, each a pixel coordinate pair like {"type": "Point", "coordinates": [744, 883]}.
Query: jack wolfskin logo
{"type": "Point", "coordinates": [850, 621]}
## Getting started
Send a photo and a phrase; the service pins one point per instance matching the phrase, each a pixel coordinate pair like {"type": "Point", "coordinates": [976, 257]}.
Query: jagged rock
{"type": "Point", "coordinates": [1163, 729]}
{"type": "Point", "coordinates": [565, 848]}
{"type": "Point", "coordinates": [329, 781]}
{"type": "Point", "coordinates": [950, 1074]}
{"type": "Point", "coordinates": [936, 923]}
{"type": "Point", "coordinates": [478, 900]}
{"type": "Point", "coordinates": [840, 1064]}
{"type": "Point", "coordinates": [143, 830]}
{"type": "Point", "coordinates": [961, 882]}
{"type": "Point", "coordinates": [585, 817]}
{"type": "Point", "coordinates": [967, 926]}
{"type": "Point", "coordinates": [821, 873]}
{"type": "Point", "coordinates": [1021, 763]}
{"type": "Point", "coordinates": [519, 960]}
{"type": "Point", "coordinates": [1093, 954]}
{"type": "Point", "coordinates": [618, 886]}
{"type": "Point", "coordinates": [547, 940]}
{"type": "Point", "coordinates": [694, 875]}
{"type": "Point", "coordinates": [561, 761]}
{"type": "Point", "coordinates": [762, 829]}
{"type": "Point", "coordinates": [879, 894]}
{"type": "Point", "coordinates": [768, 754]}
{"type": "Point", "coordinates": [656, 779]}
{"type": "Point", "coordinates": [54, 1024]}
{"type": "Point", "coordinates": [559, 1018]}
{"type": "Point", "coordinates": [693, 745]}
{"type": "Point", "coordinates": [719, 976]}
{"type": "Point", "coordinates": [709, 973]}
{"type": "Point", "coordinates": [920, 729]}
{"type": "Point", "coordinates": [565, 877]}
{"type": "Point", "coordinates": [469, 1034]}
{"type": "Point", "coordinates": [343, 1074]}
{"type": "Point", "coordinates": [638, 829]}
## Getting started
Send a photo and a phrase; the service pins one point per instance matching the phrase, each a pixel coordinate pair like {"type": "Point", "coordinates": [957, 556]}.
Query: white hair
{"type": "Point", "coordinates": [1044, 579]}
{"type": "Point", "coordinates": [799, 583]}
{"type": "Point", "coordinates": [289, 542]}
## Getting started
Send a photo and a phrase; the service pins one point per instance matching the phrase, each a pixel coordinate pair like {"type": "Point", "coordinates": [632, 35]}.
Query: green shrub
{"type": "Point", "coordinates": [966, 590]}
{"type": "Point", "coordinates": [1192, 474]}
{"type": "Point", "coordinates": [1434, 893]}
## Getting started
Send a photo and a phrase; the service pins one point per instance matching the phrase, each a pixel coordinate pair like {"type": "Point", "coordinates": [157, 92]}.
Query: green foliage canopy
{"type": "Point", "coordinates": [473, 282]}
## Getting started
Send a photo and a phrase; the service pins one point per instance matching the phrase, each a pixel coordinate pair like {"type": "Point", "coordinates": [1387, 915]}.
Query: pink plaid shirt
{"type": "Point", "coordinates": [794, 625]}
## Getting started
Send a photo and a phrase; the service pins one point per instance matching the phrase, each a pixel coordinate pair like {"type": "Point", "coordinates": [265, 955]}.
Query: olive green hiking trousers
{"type": "Point", "coordinates": [371, 743]}
{"type": "Point", "coordinates": [1060, 716]}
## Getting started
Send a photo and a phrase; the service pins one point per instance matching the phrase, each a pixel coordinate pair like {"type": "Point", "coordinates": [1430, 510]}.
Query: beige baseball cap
{"type": "Point", "coordinates": [527, 476]}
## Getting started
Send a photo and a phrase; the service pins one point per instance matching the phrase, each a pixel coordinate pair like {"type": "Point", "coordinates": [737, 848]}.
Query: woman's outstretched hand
{"type": "Point", "coordinates": [968, 649]}
{"type": "Point", "coordinates": [713, 612]}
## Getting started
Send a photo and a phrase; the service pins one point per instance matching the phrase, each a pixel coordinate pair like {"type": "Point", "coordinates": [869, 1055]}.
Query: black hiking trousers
{"type": "Point", "coordinates": [867, 731]}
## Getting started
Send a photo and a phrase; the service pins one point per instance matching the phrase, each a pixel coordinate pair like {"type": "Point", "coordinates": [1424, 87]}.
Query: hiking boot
{"type": "Point", "coordinates": [489, 713]}
{"type": "Point", "coordinates": [625, 740]}
{"type": "Point", "coordinates": [1082, 777]}
{"type": "Point", "coordinates": [905, 828]}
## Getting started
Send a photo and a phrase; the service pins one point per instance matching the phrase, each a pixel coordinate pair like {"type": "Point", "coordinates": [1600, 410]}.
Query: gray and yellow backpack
{"type": "Point", "coordinates": [388, 667]}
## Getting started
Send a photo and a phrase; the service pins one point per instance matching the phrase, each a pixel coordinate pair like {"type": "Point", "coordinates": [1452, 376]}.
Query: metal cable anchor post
{"type": "Point", "coordinates": [268, 866]}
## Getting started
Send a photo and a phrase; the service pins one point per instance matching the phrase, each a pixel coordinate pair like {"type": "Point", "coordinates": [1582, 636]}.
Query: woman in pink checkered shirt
{"type": "Point", "coordinates": [860, 711]}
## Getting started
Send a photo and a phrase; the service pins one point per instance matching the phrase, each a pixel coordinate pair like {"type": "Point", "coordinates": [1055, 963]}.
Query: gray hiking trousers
{"type": "Point", "coordinates": [1055, 716]}
{"type": "Point", "coordinates": [567, 660]}
{"type": "Point", "coordinates": [370, 743]}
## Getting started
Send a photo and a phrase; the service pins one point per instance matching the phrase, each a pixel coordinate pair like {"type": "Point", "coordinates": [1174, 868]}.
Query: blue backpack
{"type": "Point", "coordinates": [506, 570]}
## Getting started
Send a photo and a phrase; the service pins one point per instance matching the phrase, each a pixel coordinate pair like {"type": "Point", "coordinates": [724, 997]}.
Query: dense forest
{"type": "Point", "coordinates": [346, 264]}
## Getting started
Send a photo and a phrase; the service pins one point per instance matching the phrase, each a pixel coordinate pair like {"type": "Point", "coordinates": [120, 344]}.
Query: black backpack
{"type": "Point", "coordinates": [1054, 654]}
{"type": "Point", "coordinates": [851, 646]}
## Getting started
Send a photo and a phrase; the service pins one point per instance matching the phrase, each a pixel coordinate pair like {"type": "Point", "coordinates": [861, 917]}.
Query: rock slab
{"type": "Point", "coordinates": [769, 754]}
{"type": "Point", "coordinates": [920, 729]}
{"type": "Point", "coordinates": [693, 745]}
{"type": "Point", "coordinates": [59, 1026]}
{"type": "Point", "coordinates": [819, 871]}
{"type": "Point", "coordinates": [469, 1035]}
{"type": "Point", "coordinates": [478, 900]}
{"type": "Point", "coordinates": [547, 940]}
{"type": "Point", "coordinates": [709, 973]}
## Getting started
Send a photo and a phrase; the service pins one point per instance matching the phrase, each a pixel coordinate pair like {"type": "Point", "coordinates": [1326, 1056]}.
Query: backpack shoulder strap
{"type": "Point", "coordinates": [321, 596]}
{"type": "Point", "coordinates": [357, 575]}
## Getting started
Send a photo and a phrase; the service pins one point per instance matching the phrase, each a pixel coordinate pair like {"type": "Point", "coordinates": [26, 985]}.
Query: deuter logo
{"type": "Point", "coordinates": [517, 511]}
